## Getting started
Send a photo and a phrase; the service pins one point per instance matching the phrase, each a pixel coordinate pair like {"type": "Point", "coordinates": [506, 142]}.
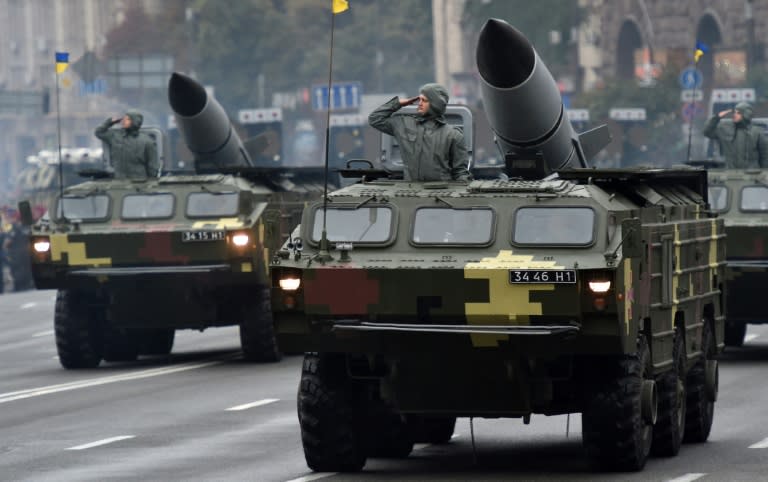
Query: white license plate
{"type": "Point", "coordinates": [543, 276]}
{"type": "Point", "coordinates": [194, 236]}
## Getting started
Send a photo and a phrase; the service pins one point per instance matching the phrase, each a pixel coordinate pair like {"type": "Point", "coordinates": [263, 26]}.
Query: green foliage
{"type": "Point", "coordinates": [662, 104]}
{"type": "Point", "coordinates": [290, 46]}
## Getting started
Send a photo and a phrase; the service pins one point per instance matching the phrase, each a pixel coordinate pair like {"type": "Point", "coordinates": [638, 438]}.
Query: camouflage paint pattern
{"type": "Point", "coordinates": [391, 300]}
{"type": "Point", "coordinates": [746, 223]}
{"type": "Point", "coordinates": [144, 271]}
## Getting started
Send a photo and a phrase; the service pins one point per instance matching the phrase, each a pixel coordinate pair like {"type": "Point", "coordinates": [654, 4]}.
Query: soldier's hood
{"type": "Point", "coordinates": [136, 120]}
{"type": "Point", "coordinates": [438, 99]}
{"type": "Point", "coordinates": [745, 109]}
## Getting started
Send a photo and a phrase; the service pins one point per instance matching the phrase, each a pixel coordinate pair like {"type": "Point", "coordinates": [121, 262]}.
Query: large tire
{"type": "Point", "coordinates": [615, 433]}
{"type": "Point", "coordinates": [388, 435]}
{"type": "Point", "coordinates": [330, 429]}
{"type": "Point", "coordinates": [670, 425]}
{"type": "Point", "coordinates": [700, 406]}
{"type": "Point", "coordinates": [433, 430]}
{"type": "Point", "coordinates": [156, 342]}
{"type": "Point", "coordinates": [120, 345]}
{"type": "Point", "coordinates": [257, 331]}
{"type": "Point", "coordinates": [78, 336]}
{"type": "Point", "coordinates": [735, 331]}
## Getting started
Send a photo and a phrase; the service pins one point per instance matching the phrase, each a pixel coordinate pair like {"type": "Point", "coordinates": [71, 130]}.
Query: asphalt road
{"type": "Point", "coordinates": [202, 414]}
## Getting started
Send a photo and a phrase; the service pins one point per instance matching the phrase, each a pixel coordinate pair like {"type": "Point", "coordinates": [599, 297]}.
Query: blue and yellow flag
{"type": "Point", "coordinates": [701, 49]}
{"type": "Point", "coordinates": [62, 61]}
{"type": "Point", "coordinates": [340, 6]}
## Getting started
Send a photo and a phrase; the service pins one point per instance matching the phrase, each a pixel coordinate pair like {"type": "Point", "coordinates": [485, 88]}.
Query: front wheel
{"type": "Point", "coordinates": [433, 430]}
{"type": "Point", "coordinates": [257, 331]}
{"type": "Point", "coordinates": [735, 332]}
{"type": "Point", "coordinates": [330, 432]}
{"type": "Point", "coordinates": [78, 333]}
{"type": "Point", "coordinates": [617, 423]}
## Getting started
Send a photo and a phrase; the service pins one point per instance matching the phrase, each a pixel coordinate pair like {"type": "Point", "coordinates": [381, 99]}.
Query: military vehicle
{"type": "Point", "coordinates": [133, 260]}
{"type": "Point", "coordinates": [740, 197]}
{"type": "Point", "coordinates": [557, 290]}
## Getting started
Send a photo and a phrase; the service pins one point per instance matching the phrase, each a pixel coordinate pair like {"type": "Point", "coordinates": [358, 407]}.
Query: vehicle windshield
{"type": "Point", "coordinates": [573, 226]}
{"type": "Point", "coordinates": [84, 207]}
{"type": "Point", "coordinates": [754, 198]}
{"type": "Point", "coordinates": [212, 204]}
{"type": "Point", "coordinates": [361, 225]}
{"type": "Point", "coordinates": [453, 226]}
{"type": "Point", "coordinates": [718, 198]}
{"type": "Point", "coordinates": [147, 206]}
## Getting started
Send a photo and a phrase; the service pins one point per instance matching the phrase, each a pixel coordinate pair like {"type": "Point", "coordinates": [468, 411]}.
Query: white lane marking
{"type": "Point", "coordinates": [43, 333]}
{"type": "Point", "coordinates": [763, 444]}
{"type": "Point", "coordinates": [687, 478]}
{"type": "Point", "coordinates": [750, 337]}
{"type": "Point", "coordinates": [259, 403]}
{"type": "Point", "coordinates": [153, 372]}
{"type": "Point", "coordinates": [101, 442]}
{"type": "Point", "coordinates": [315, 476]}
{"type": "Point", "coordinates": [29, 305]}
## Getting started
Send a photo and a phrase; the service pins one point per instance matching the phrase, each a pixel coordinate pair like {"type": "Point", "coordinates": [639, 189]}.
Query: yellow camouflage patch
{"type": "Point", "coordinates": [76, 255]}
{"type": "Point", "coordinates": [629, 294]}
{"type": "Point", "coordinates": [223, 223]}
{"type": "Point", "coordinates": [509, 304]}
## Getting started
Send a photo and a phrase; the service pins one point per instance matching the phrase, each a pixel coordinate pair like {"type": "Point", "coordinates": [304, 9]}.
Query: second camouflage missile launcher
{"type": "Point", "coordinates": [740, 197]}
{"type": "Point", "coordinates": [557, 290]}
{"type": "Point", "coordinates": [133, 260]}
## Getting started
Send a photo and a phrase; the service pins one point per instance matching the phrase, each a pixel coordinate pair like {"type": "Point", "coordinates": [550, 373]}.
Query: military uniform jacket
{"type": "Point", "coordinates": [743, 145]}
{"type": "Point", "coordinates": [132, 152]}
{"type": "Point", "coordinates": [432, 150]}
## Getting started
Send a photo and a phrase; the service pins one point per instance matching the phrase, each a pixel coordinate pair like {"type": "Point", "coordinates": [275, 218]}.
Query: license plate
{"type": "Point", "coordinates": [193, 236]}
{"type": "Point", "coordinates": [543, 276]}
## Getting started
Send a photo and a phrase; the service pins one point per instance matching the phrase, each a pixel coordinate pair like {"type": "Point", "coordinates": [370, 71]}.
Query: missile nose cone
{"type": "Point", "coordinates": [186, 96]}
{"type": "Point", "coordinates": [505, 58]}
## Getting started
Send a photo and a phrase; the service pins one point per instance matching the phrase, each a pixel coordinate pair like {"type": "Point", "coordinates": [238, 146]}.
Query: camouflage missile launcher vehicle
{"type": "Point", "coordinates": [557, 290]}
{"type": "Point", "coordinates": [740, 197]}
{"type": "Point", "coordinates": [133, 260]}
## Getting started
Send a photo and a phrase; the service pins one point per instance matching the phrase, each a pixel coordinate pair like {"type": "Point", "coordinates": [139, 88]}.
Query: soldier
{"type": "Point", "coordinates": [132, 152]}
{"type": "Point", "coordinates": [16, 246]}
{"type": "Point", "coordinates": [742, 144]}
{"type": "Point", "coordinates": [432, 149]}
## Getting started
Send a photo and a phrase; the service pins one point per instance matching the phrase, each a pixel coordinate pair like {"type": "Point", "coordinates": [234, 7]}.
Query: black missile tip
{"type": "Point", "coordinates": [186, 96]}
{"type": "Point", "coordinates": [505, 57]}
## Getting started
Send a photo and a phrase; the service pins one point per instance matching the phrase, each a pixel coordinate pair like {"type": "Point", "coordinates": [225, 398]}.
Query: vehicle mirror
{"type": "Point", "coordinates": [632, 245]}
{"type": "Point", "coordinates": [25, 211]}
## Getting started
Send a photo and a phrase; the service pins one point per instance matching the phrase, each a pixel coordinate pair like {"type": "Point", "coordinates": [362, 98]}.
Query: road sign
{"type": "Point", "coordinates": [577, 115]}
{"type": "Point", "coordinates": [691, 110]}
{"type": "Point", "coordinates": [259, 116]}
{"type": "Point", "coordinates": [691, 78]}
{"type": "Point", "coordinates": [733, 95]}
{"type": "Point", "coordinates": [687, 95]}
{"type": "Point", "coordinates": [343, 95]}
{"type": "Point", "coordinates": [627, 114]}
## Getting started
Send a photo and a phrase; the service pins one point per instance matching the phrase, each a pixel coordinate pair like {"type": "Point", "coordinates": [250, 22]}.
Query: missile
{"type": "Point", "coordinates": [205, 126]}
{"type": "Point", "coordinates": [524, 106]}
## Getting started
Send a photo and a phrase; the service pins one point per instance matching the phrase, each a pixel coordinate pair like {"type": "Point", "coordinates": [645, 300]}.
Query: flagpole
{"type": "Point", "coordinates": [324, 253]}
{"type": "Point", "coordinates": [61, 160]}
{"type": "Point", "coordinates": [690, 122]}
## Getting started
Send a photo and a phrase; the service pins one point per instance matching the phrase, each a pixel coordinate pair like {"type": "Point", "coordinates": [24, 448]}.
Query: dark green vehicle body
{"type": "Point", "coordinates": [138, 259]}
{"type": "Point", "coordinates": [557, 289]}
{"type": "Point", "coordinates": [740, 197]}
{"type": "Point", "coordinates": [134, 260]}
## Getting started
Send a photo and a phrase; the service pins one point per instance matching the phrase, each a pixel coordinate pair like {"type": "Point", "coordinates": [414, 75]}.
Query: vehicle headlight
{"type": "Point", "coordinates": [240, 239]}
{"type": "Point", "coordinates": [41, 245]}
{"type": "Point", "coordinates": [289, 284]}
{"type": "Point", "coordinates": [599, 286]}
